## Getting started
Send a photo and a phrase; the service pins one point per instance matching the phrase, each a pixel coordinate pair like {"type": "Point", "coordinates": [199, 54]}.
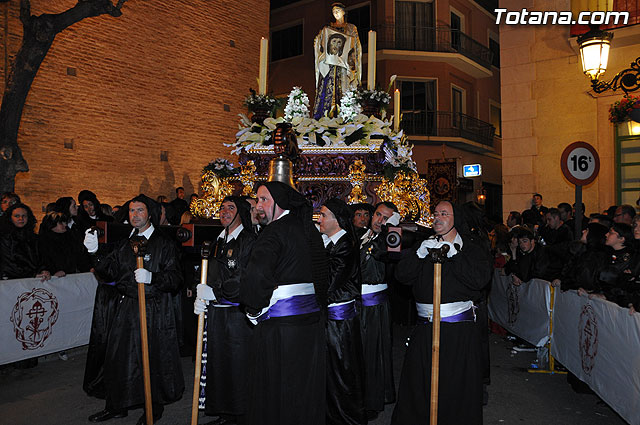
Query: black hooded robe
{"type": "Point", "coordinates": [123, 377]}
{"type": "Point", "coordinates": [287, 354]}
{"type": "Point", "coordinates": [375, 325]}
{"type": "Point", "coordinates": [228, 329]}
{"type": "Point", "coordinates": [345, 362]}
{"type": "Point", "coordinates": [461, 365]}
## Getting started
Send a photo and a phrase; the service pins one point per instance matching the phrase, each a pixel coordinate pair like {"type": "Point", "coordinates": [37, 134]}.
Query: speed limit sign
{"type": "Point", "coordinates": [580, 163]}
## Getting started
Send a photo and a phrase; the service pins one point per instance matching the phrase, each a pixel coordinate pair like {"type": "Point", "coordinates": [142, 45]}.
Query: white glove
{"type": "Point", "coordinates": [143, 276]}
{"type": "Point", "coordinates": [91, 241]}
{"type": "Point", "coordinates": [394, 220]}
{"type": "Point", "coordinates": [430, 243]}
{"type": "Point", "coordinates": [200, 306]}
{"type": "Point", "coordinates": [205, 292]}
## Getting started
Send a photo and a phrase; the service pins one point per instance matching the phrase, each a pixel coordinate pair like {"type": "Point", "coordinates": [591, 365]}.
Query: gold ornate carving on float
{"type": "Point", "coordinates": [248, 177]}
{"type": "Point", "coordinates": [410, 194]}
{"type": "Point", "coordinates": [356, 178]}
{"type": "Point", "coordinates": [215, 189]}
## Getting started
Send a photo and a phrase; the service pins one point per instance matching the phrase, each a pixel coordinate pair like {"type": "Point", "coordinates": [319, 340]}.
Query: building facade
{"type": "Point", "coordinates": [138, 103]}
{"type": "Point", "coordinates": [445, 54]}
{"type": "Point", "coordinates": [548, 103]}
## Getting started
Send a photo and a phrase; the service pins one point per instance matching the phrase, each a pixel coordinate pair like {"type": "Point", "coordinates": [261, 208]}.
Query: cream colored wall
{"type": "Point", "coordinates": [546, 105]}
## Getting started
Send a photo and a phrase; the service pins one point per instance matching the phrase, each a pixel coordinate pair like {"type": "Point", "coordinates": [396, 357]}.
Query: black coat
{"type": "Point", "coordinates": [123, 364]}
{"type": "Point", "coordinates": [226, 266]}
{"type": "Point", "coordinates": [344, 270]}
{"type": "Point", "coordinates": [63, 252]}
{"type": "Point", "coordinates": [583, 269]}
{"type": "Point", "coordinates": [19, 257]}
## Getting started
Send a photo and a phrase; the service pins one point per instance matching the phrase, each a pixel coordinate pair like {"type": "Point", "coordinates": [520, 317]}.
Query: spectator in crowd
{"type": "Point", "coordinates": [90, 211]}
{"type": "Point", "coordinates": [530, 220]}
{"type": "Point", "coordinates": [67, 206]}
{"type": "Point", "coordinates": [19, 245]}
{"type": "Point", "coordinates": [192, 198]}
{"type": "Point", "coordinates": [531, 261]}
{"type": "Point", "coordinates": [499, 238]}
{"type": "Point", "coordinates": [619, 263]}
{"type": "Point", "coordinates": [179, 205]}
{"type": "Point", "coordinates": [60, 252]}
{"type": "Point", "coordinates": [602, 219]}
{"type": "Point", "coordinates": [539, 209]}
{"type": "Point", "coordinates": [588, 258]}
{"type": "Point", "coordinates": [8, 199]}
{"type": "Point", "coordinates": [361, 218]}
{"type": "Point", "coordinates": [624, 214]}
{"type": "Point", "coordinates": [186, 218]}
{"type": "Point", "coordinates": [162, 199]}
{"type": "Point", "coordinates": [514, 219]}
{"type": "Point", "coordinates": [566, 212]}
{"type": "Point", "coordinates": [106, 210]}
{"type": "Point", "coordinates": [555, 237]}
{"type": "Point", "coordinates": [610, 212]}
{"type": "Point", "coordinates": [513, 243]}
{"type": "Point", "coordinates": [571, 222]}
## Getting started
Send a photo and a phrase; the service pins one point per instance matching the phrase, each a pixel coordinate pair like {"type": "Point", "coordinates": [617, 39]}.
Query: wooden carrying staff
{"type": "Point", "coordinates": [205, 252]}
{"type": "Point", "coordinates": [139, 245]}
{"type": "Point", "coordinates": [437, 255]}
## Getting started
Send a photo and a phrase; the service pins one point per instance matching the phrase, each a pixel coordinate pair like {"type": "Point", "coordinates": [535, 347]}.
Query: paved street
{"type": "Point", "coordinates": [51, 393]}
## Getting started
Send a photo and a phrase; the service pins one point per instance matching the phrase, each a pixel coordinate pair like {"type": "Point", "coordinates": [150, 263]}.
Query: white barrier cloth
{"type": "Point", "coordinates": [522, 310]}
{"type": "Point", "coordinates": [599, 342]}
{"type": "Point", "coordinates": [38, 318]}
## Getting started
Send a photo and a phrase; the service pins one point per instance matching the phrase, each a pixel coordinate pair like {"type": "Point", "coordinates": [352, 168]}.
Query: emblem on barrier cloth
{"type": "Point", "coordinates": [588, 338]}
{"type": "Point", "coordinates": [33, 317]}
{"type": "Point", "coordinates": [513, 303]}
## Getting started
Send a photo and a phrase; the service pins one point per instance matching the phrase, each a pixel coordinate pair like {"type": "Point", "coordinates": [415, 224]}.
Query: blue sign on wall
{"type": "Point", "coordinates": [472, 170]}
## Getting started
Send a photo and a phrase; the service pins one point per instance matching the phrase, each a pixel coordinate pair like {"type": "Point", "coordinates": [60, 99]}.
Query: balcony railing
{"type": "Point", "coordinates": [448, 124]}
{"type": "Point", "coordinates": [429, 39]}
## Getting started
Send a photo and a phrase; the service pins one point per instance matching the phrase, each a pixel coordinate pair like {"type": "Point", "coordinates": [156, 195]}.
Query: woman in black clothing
{"type": "Point", "coordinates": [589, 256]}
{"type": "Point", "coordinates": [19, 247]}
{"type": "Point", "coordinates": [90, 210]}
{"type": "Point", "coordinates": [67, 206]}
{"type": "Point", "coordinates": [60, 251]}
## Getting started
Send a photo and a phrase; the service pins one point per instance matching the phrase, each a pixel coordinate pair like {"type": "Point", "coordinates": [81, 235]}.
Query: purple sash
{"type": "Point", "coordinates": [374, 298]}
{"type": "Point", "coordinates": [465, 316]}
{"type": "Point", "coordinates": [292, 306]}
{"type": "Point", "coordinates": [342, 312]}
{"type": "Point", "coordinates": [225, 301]}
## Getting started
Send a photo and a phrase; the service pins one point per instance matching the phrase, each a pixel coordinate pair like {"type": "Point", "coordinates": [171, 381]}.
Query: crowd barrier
{"type": "Point", "coordinates": [38, 318]}
{"type": "Point", "coordinates": [596, 340]}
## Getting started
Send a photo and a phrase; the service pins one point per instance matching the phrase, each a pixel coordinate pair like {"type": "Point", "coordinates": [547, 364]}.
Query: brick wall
{"type": "Point", "coordinates": [122, 90]}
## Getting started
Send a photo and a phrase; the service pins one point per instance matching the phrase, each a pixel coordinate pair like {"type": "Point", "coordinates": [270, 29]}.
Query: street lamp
{"type": "Point", "coordinates": [594, 54]}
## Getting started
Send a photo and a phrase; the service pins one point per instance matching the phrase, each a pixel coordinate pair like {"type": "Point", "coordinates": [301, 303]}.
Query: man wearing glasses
{"type": "Point", "coordinates": [465, 273]}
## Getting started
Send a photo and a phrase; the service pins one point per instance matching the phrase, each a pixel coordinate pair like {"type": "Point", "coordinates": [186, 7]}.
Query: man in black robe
{"type": "Point", "coordinates": [345, 398]}
{"type": "Point", "coordinates": [464, 274]}
{"type": "Point", "coordinates": [283, 289]}
{"type": "Point", "coordinates": [375, 314]}
{"type": "Point", "coordinates": [123, 378]}
{"type": "Point", "coordinates": [228, 329]}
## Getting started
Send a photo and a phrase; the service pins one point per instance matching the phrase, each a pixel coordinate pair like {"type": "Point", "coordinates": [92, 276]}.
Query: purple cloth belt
{"type": "Point", "coordinates": [465, 316]}
{"type": "Point", "coordinates": [342, 312]}
{"type": "Point", "coordinates": [227, 302]}
{"type": "Point", "coordinates": [374, 298]}
{"type": "Point", "coordinates": [292, 306]}
{"type": "Point", "coordinates": [109, 283]}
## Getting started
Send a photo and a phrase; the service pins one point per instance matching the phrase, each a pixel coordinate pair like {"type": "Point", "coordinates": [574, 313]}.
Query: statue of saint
{"type": "Point", "coordinates": [338, 56]}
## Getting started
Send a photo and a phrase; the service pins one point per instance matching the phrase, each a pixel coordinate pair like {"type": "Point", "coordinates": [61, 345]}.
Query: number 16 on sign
{"type": "Point", "coordinates": [580, 164]}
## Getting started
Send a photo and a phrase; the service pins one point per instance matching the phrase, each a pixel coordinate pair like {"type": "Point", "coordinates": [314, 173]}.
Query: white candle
{"type": "Point", "coordinates": [396, 110]}
{"type": "Point", "coordinates": [262, 76]}
{"type": "Point", "coordinates": [371, 78]}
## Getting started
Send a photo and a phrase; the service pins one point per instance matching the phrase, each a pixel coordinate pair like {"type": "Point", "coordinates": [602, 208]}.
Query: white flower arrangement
{"type": "Point", "coordinates": [310, 132]}
{"type": "Point", "coordinates": [221, 167]}
{"type": "Point", "coordinates": [349, 106]}
{"type": "Point", "coordinates": [297, 105]}
{"type": "Point", "coordinates": [398, 156]}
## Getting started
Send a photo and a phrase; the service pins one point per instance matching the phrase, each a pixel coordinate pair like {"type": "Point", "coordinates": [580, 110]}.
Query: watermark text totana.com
{"type": "Point", "coordinates": [532, 17]}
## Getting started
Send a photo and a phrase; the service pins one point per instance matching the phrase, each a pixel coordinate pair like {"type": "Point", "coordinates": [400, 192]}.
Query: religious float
{"type": "Point", "coordinates": [341, 146]}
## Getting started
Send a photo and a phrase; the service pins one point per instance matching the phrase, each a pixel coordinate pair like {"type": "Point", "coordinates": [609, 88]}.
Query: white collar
{"type": "Point", "coordinates": [147, 233]}
{"type": "Point", "coordinates": [335, 238]}
{"type": "Point", "coordinates": [232, 235]}
{"type": "Point", "coordinates": [285, 212]}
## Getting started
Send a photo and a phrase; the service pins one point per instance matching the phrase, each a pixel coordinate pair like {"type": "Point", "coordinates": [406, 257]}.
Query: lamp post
{"type": "Point", "coordinates": [594, 54]}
